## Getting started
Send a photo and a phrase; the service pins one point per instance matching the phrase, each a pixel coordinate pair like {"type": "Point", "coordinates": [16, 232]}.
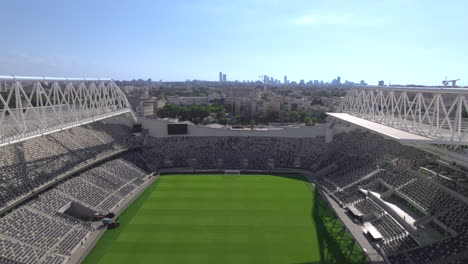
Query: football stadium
{"type": "Point", "coordinates": [85, 181]}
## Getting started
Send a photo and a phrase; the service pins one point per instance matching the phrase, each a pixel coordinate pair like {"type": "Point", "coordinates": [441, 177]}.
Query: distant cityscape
{"type": "Point", "coordinates": [233, 103]}
{"type": "Point", "coordinates": [273, 81]}
{"type": "Point", "coordinates": [223, 79]}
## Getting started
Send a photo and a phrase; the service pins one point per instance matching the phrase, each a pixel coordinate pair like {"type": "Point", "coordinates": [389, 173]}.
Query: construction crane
{"type": "Point", "coordinates": [446, 82]}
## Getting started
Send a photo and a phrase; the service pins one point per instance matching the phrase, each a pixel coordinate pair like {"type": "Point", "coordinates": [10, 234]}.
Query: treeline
{"type": "Point", "coordinates": [180, 91]}
{"type": "Point", "coordinates": [194, 113]}
{"type": "Point", "coordinates": [195, 92]}
{"type": "Point", "coordinates": [284, 116]}
{"type": "Point", "coordinates": [197, 113]}
{"type": "Point", "coordinates": [302, 116]}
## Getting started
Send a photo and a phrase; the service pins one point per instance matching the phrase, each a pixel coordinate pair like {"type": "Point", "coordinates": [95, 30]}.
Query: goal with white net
{"type": "Point", "coordinates": [232, 172]}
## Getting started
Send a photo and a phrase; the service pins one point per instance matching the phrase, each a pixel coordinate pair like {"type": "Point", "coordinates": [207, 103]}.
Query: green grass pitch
{"type": "Point", "coordinates": [203, 219]}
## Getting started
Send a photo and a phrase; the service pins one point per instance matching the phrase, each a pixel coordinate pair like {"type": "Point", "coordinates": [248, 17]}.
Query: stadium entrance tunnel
{"type": "Point", "coordinates": [78, 211]}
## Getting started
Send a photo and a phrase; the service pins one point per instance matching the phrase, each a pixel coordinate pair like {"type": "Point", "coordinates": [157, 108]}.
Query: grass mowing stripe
{"type": "Point", "coordinates": [106, 241]}
{"type": "Point", "coordinates": [242, 219]}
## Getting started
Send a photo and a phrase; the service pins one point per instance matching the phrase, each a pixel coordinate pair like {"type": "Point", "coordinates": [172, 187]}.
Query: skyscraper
{"type": "Point", "coordinates": [224, 78]}
{"type": "Point", "coordinates": [285, 79]}
{"type": "Point", "coordinates": [220, 76]}
{"type": "Point", "coordinates": [338, 80]}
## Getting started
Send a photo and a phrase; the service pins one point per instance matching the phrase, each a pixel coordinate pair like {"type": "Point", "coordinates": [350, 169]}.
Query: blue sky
{"type": "Point", "coordinates": [402, 41]}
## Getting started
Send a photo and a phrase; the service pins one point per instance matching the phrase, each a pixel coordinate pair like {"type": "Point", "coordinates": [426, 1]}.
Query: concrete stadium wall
{"type": "Point", "coordinates": [158, 128]}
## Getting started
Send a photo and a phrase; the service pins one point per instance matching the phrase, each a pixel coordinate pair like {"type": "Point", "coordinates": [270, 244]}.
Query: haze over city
{"type": "Point", "coordinates": [403, 42]}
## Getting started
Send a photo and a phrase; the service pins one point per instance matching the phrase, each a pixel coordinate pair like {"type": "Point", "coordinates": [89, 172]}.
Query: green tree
{"type": "Point", "coordinates": [294, 116]}
{"type": "Point", "coordinates": [252, 124]}
{"type": "Point", "coordinates": [304, 114]}
{"type": "Point", "coordinates": [193, 113]}
{"type": "Point", "coordinates": [283, 114]}
{"type": "Point", "coordinates": [314, 120]}
{"type": "Point", "coordinates": [236, 119]}
{"type": "Point", "coordinates": [227, 108]}
{"type": "Point", "coordinates": [222, 121]}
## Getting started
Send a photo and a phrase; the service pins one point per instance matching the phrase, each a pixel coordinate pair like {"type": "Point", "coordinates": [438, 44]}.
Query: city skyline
{"type": "Point", "coordinates": [403, 42]}
{"type": "Point", "coordinates": [273, 81]}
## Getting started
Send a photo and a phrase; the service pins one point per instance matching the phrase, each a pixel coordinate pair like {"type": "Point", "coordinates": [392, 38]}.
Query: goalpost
{"type": "Point", "coordinates": [231, 172]}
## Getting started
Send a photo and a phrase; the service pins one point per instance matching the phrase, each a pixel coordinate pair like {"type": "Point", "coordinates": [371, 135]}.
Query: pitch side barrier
{"type": "Point", "coordinates": [242, 172]}
{"type": "Point", "coordinates": [189, 170]}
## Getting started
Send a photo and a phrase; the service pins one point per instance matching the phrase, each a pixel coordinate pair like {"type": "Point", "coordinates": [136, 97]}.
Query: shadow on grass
{"type": "Point", "coordinates": [110, 236]}
{"type": "Point", "coordinates": [335, 243]}
{"type": "Point", "coordinates": [293, 177]}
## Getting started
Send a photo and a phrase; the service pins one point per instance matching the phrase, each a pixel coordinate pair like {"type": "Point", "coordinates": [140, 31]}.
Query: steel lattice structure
{"type": "Point", "coordinates": [34, 106]}
{"type": "Point", "coordinates": [436, 113]}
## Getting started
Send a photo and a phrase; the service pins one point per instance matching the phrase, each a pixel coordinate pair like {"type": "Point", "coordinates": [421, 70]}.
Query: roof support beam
{"type": "Point", "coordinates": [34, 106]}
